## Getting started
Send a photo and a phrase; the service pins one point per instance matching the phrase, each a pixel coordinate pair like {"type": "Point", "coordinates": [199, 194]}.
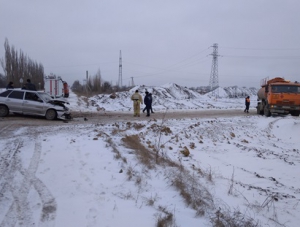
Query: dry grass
{"type": "Point", "coordinates": [142, 153]}
{"type": "Point", "coordinates": [129, 173]}
{"type": "Point", "coordinates": [230, 190]}
{"type": "Point", "coordinates": [138, 180]}
{"type": "Point", "coordinates": [138, 126]}
{"type": "Point", "coordinates": [116, 151]}
{"type": "Point", "coordinates": [194, 194]}
{"type": "Point", "coordinates": [209, 175]}
{"type": "Point", "coordinates": [235, 219]}
{"type": "Point", "coordinates": [151, 200]}
{"type": "Point", "coordinates": [165, 219]}
{"type": "Point", "coordinates": [186, 182]}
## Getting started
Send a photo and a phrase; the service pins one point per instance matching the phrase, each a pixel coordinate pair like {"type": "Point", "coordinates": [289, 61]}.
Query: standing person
{"type": "Point", "coordinates": [148, 102]}
{"type": "Point", "coordinates": [247, 103]}
{"type": "Point", "coordinates": [137, 100]}
{"type": "Point", "coordinates": [151, 103]}
{"type": "Point", "coordinates": [10, 85]}
{"type": "Point", "coordinates": [29, 86]}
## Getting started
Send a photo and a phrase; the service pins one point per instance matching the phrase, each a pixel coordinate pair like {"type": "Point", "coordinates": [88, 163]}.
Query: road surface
{"type": "Point", "coordinates": [109, 117]}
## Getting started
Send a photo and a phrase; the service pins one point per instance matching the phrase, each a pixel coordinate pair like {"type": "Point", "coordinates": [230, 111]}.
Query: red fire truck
{"type": "Point", "coordinates": [56, 87]}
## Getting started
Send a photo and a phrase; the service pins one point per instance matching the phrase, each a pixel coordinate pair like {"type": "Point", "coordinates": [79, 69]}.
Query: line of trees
{"type": "Point", "coordinates": [93, 85]}
{"type": "Point", "coordinates": [96, 85]}
{"type": "Point", "coordinates": [17, 65]}
{"type": "Point", "coordinates": [3, 82]}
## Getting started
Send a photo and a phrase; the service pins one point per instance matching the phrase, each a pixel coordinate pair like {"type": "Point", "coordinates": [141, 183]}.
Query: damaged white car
{"type": "Point", "coordinates": [33, 103]}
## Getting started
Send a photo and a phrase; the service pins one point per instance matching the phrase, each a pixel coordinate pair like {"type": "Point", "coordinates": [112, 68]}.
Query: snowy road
{"type": "Point", "coordinates": [108, 117]}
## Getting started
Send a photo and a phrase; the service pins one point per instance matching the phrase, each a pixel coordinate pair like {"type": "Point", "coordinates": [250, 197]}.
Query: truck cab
{"type": "Point", "coordinates": [279, 96]}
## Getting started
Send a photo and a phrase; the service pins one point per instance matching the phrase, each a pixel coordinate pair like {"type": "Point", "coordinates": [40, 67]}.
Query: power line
{"type": "Point", "coordinates": [190, 57]}
{"type": "Point", "coordinates": [261, 57]}
{"type": "Point", "coordinates": [245, 48]}
{"type": "Point", "coordinates": [172, 64]}
{"type": "Point", "coordinates": [165, 70]}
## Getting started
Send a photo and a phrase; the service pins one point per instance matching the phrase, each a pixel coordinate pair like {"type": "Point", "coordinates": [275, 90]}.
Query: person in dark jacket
{"type": "Point", "coordinates": [10, 85]}
{"type": "Point", "coordinates": [247, 103]}
{"type": "Point", "coordinates": [148, 103]}
{"type": "Point", "coordinates": [29, 86]}
{"type": "Point", "coordinates": [150, 106]}
{"type": "Point", "coordinates": [151, 102]}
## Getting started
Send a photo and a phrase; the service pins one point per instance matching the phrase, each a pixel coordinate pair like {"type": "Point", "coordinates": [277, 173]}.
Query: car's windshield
{"type": "Point", "coordinates": [285, 89]}
{"type": "Point", "coordinates": [45, 96]}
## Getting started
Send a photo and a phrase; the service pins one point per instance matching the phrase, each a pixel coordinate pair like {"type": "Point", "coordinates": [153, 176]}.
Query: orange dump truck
{"type": "Point", "coordinates": [278, 96]}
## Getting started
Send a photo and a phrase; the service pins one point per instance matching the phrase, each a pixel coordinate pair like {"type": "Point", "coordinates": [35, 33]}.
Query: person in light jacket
{"type": "Point", "coordinates": [137, 101]}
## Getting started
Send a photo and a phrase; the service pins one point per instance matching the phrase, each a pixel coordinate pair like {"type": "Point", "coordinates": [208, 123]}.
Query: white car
{"type": "Point", "coordinates": [33, 103]}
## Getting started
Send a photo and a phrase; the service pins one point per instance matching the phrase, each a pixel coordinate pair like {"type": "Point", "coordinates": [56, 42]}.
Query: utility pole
{"type": "Point", "coordinates": [214, 80]}
{"type": "Point", "coordinates": [86, 82]}
{"type": "Point", "coordinates": [120, 71]}
{"type": "Point", "coordinates": [132, 82]}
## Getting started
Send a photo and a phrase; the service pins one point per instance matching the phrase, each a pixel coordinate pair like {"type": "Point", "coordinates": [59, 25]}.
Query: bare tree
{"type": "Point", "coordinates": [107, 87]}
{"type": "Point", "coordinates": [18, 65]}
{"type": "Point", "coordinates": [97, 83]}
{"type": "Point", "coordinates": [2, 81]}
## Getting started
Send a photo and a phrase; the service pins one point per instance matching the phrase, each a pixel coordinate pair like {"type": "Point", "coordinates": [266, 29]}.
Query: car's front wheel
{"type": "Point", "coordinates": [51, 114]}
{"type": "Point", "coordinates": [3, 111]}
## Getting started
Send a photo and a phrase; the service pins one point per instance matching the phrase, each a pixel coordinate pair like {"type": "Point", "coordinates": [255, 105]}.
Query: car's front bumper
{"type": "Point", "coordinates": [64, 115]}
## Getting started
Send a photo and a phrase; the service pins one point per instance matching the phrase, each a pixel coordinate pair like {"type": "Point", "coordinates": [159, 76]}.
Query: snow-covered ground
{"type": "Point", "coordinates": [241, 170]}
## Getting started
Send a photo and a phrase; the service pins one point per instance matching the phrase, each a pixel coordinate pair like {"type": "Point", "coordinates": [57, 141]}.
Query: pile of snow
{"type": "Point", "coordinates": [169, 96]}
{"type": "Point", "coordinates": [166, 97]}
{"type": "Point", "coordinates": [235, 91]}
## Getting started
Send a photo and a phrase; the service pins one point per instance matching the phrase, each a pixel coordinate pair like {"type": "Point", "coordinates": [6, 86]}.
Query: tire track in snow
{"type": "Point", "coordinates": [6, 130]}
{"type": "Point", "coordinates": [20, 211]}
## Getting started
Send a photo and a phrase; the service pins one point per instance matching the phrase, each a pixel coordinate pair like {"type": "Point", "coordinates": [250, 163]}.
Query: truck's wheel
{"type": "Point", "coordinates": [259, 109]}
{"type": "Point", "coordinates": [50, 114]}
{"type": "Point", "coordinates": [295, 114]}
{"type": "Point", "coordinates": [3, 111]}
{"type": "Point", "coordinates": [267, 111]}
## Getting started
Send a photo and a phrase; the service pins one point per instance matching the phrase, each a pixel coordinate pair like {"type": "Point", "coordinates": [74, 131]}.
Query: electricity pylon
{"type": "Point", "coordinates": [214, 80]}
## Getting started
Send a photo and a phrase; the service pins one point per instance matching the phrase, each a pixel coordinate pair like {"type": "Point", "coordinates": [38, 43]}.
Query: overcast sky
{"type": "Point", "coordinates": [161, 41]}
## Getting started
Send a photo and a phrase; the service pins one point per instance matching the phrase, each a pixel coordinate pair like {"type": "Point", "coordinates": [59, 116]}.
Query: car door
{"type": "Point", "coordinates": [14, 101]}
{"type": "Point", "coordinates": [33, 104]}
